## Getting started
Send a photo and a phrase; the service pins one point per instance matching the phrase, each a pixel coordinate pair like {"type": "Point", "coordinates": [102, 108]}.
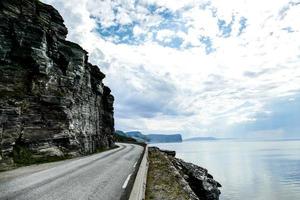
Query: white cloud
{"type": "Point", "coordinates": [194, 91]}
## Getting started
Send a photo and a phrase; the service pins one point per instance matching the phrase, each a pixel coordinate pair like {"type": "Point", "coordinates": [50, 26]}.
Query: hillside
{"type": "Point", "coordinates": [151, 138]}
{"type": "Point", "coordinates": [160, 138]}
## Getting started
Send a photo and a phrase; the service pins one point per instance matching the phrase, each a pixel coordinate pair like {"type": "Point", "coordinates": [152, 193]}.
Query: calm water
{"type": "Point", "coordinates": [248, 170]}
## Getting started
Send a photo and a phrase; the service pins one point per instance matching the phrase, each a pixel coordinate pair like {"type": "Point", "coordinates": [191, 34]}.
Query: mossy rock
{"type": "Point", "coordinates": [22, 156]}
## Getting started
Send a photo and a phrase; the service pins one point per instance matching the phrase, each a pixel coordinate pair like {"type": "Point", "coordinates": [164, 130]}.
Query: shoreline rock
{"type": "Point", "coordinates": [196, 183]}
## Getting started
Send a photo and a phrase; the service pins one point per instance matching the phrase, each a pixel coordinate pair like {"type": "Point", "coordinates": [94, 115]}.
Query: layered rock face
{"type": "Point", "coordinates": [52, 100]}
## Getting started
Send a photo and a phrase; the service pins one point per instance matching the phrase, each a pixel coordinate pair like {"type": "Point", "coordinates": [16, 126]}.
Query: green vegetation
{"type": "Point", "coordinates": [24, 106]}
{"type": "Point", "coordinates": [137, 136]}
{"type": "Point", "coordinates": [120, 137]}
{"type": "Point", "coordinates": [24, 156]}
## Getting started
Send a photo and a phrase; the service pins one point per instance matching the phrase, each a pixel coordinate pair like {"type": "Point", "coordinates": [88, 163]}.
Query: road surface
{"type": "Point", "coordinates": [102, 176]}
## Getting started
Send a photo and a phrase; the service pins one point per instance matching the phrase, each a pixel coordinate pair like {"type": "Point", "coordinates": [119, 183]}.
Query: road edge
{"type": "Point", "coordinates": [139, 187]}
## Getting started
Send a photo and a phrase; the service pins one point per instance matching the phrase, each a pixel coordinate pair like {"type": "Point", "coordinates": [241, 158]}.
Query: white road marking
{"type": "Point", "coordinates": [126, 181]}
{"type": "Point", "coordinates": [134, 164]}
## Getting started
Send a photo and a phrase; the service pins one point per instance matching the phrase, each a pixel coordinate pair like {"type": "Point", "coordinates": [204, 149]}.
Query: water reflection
{"type": "Point", "coordinates": [259, 170]}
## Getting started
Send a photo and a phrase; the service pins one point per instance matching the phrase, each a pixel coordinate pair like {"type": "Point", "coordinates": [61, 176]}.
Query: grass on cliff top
{"type": "Point", "coordinates": [162, 183]}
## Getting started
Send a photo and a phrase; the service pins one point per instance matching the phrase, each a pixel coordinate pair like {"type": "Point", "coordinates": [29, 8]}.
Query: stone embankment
{"type": "Point", "coordinates": [170, 178]}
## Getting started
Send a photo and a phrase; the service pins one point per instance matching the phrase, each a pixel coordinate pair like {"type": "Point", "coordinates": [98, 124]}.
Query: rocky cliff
{"type": "Point", "coordinates": [52, 100]}
{"type": "Point", "coordinates": [201, 182]}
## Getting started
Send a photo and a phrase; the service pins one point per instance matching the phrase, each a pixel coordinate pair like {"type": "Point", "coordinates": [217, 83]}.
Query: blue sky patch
{"type": "Point", "coordinates": [243, 25]}
{"type": "Point", "coordinates": [172, 25]}
{"type": "Point", "coordinates": [167, 14]}
{"type": "Point", "coordinates": [225, 28]}
{"type": "Point", "coordinates": [175, 42]}
{"type": "Point", "coordinates": [208, 44]}
{"type": "Point", "coordinates": [120, 33]}
{"type": "Point", "coordinates": [152, 8]}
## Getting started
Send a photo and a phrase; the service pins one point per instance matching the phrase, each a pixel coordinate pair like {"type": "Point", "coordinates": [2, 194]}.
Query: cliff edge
{"type": "Point", "coordinates": [53, 103]}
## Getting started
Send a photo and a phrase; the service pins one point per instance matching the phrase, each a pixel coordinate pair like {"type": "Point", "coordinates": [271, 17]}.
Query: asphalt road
{"type": "Point", "coordinates": [102, 176]}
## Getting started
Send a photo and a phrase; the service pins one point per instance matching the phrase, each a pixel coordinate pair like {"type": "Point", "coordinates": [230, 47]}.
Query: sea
{"type": "Point", "coordinates": [247, 169]}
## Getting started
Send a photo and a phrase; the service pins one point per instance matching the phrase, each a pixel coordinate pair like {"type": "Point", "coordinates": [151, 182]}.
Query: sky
{"type": "Point", "coordinates": [196, 67]}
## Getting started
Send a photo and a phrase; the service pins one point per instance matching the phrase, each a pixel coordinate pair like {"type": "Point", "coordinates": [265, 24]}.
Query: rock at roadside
{"type": "Point", "coordinates": [166, 171]}
{"type": "Point", "coordinates": [168, 152]}
{"type": "Point", "coordinates": [201, 182]}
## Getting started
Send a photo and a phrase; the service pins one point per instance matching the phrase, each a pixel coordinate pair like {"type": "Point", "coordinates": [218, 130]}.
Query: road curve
{"type": "Point", "coordinates": [102, 176]}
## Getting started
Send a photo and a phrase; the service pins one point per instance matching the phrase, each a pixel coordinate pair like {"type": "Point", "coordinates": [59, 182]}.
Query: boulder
{"type": "Point", "coordinates": [198, 178]}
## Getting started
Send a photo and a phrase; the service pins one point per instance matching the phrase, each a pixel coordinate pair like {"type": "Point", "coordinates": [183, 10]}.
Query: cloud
{"type": "Point", "coordinates": [199, 67]}
{"type": "Point", "coordinates": [142, 104]}
{"type": "Point", "coordinates": [280, 119]}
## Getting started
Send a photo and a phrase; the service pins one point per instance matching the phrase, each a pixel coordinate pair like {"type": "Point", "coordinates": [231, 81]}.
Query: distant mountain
{"type": "Point", "coordinates": [121, 133]}
{"type": "Point", "coordinates": [138, 136]}
{"type": "Point", "coordinates": [120, 136]}
{"type": "Point", "coordinates": [160, 138]}
{"type": "Point", "coordinates": [151, 138]}
{"type": "Point", "coordinates": [200, 138]}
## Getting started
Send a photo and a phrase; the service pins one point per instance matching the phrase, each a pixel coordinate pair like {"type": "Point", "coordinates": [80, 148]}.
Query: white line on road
{"type": "Point", "coordinates": [126, 181]}
{"type": "Point", "coordinates": [134, 164]}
